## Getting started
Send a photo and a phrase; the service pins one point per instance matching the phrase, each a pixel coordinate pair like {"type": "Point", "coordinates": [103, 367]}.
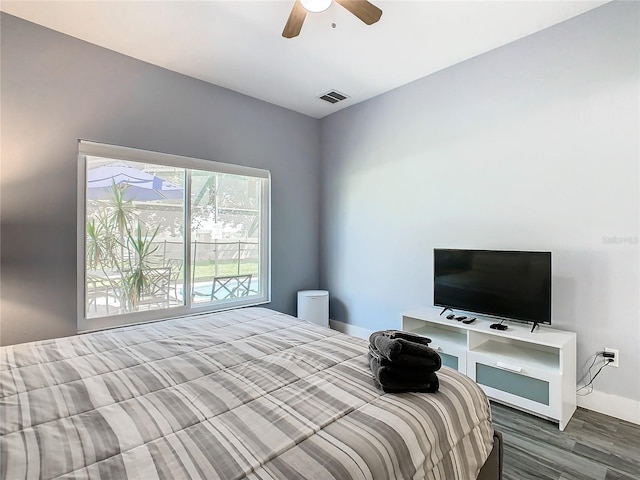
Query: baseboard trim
{"type": "Point", "coordinates": [612, 405]}
{"type": "Point", "coordinates": [607, 404]}
{"type": "Point", "coordinates": [352, 330]}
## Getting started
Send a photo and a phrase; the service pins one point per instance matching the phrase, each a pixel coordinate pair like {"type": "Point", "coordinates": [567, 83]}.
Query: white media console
{"type": "Point", "coordinates": [532, 371]}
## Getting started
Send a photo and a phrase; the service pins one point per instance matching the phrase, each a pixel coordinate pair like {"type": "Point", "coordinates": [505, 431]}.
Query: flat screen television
{"type": "Point", "coordinates": [510, 285]}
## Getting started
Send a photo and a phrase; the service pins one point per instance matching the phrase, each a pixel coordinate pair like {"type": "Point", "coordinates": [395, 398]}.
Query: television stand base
{"type": "Point", "coordinates": [534, 372]}
{"type": "Point", "coordinates": [535, 324]}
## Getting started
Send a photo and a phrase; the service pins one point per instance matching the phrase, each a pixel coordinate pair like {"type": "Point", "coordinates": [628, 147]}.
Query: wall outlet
{"type": "Point", "coordinates": [616, 358]}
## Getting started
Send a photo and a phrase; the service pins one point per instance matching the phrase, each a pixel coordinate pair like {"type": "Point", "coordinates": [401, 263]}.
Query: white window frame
{"type": "Point", "coordinates": [87, 148]}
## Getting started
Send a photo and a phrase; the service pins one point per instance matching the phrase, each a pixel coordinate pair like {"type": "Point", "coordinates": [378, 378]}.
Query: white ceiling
{"type": "Point", "coordinates": [238, 44]}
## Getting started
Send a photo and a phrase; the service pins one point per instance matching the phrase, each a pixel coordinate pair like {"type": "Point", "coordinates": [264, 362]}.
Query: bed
{"type": "Point", "coordinates": [242, 394]}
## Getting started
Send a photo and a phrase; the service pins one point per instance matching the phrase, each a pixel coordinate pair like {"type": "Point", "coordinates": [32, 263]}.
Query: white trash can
{"type": "Point", "coordinates": [313, 306]}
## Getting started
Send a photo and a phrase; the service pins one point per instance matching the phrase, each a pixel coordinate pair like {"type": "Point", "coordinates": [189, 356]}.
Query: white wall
{"type": "Point", "coordinates": [533, 146]}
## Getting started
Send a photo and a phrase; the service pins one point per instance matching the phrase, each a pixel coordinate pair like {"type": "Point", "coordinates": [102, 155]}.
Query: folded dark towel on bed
{"type": "Point", "coordinates": [429, 388]}
{"type": "Point", "coordinates": [413, 337]}
{"type": "Point", "coordinates": [394, 380]}
{"type": "Point", "coordinates": [431, 362]}
{"type": "Point", "coordinates": [393, 348]}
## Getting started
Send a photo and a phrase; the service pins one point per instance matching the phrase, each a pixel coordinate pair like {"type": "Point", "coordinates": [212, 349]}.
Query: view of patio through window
{"type": "Point", "coordinates": [225, 224]}
{"type": "Point", "coordinates": [138, 221]}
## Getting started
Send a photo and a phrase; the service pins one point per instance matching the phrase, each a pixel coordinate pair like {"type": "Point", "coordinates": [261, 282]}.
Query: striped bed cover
{"type": "Point", "coordinates": [242, 394]}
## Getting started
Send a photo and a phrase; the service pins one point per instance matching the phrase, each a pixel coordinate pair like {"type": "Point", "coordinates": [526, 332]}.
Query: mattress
{"type": "Point", "coordinates": [242, 394]}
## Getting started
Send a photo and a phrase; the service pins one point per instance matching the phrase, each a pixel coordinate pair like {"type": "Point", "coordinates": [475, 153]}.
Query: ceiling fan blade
{"type": "Point", "coordinates": [294, 23]}
{"type": "Point", "coordinates": [365, 11]}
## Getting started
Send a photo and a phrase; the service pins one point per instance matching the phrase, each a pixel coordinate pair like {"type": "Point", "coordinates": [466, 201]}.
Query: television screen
{"type": "Point", "coordinates": [504, 284]}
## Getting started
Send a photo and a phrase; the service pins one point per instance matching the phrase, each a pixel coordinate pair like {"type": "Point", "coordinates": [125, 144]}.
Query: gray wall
{"type": "Point", "coordinates": [55, 90]}
{"type": "Point", "coordinates": [533, 146]}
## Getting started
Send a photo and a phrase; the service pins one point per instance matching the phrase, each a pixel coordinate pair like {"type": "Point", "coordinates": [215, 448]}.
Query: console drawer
{"type": "Point", "coordinates": [452, 356]}
{"type": "Point", "coordinates": [507, 381]}
{"type": "Point", "coordinates": [517, 383]}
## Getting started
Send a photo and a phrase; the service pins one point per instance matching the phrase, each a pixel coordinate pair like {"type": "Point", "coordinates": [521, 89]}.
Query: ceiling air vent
{"type": "Point", "coordinates": [333, 97]}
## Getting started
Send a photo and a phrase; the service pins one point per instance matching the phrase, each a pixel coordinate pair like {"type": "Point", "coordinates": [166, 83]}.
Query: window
{"type": "Point", "coordinates": [162, 236]}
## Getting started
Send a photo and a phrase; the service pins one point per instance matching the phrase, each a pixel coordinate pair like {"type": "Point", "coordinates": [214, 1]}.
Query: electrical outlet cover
{"type": "Point", "coordinates": [616, 358]}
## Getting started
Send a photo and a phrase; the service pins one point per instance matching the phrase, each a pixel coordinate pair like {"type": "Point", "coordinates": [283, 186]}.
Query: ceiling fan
{"type": "Point", "coordinates": [365, 11]}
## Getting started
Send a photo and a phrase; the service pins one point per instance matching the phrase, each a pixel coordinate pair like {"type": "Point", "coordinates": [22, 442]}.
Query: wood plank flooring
{"type": "Point", "coordinates": [592, 447]}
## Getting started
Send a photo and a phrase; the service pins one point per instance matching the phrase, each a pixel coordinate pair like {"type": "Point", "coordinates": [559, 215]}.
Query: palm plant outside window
{"type": "Point", "coordinates": [164, 235]}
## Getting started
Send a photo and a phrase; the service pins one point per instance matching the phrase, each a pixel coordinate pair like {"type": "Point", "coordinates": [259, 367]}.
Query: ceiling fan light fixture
{"type": "Point", "coordinates": [363, 9]}
{"type": "Point", "coordinates": [316, 6]}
